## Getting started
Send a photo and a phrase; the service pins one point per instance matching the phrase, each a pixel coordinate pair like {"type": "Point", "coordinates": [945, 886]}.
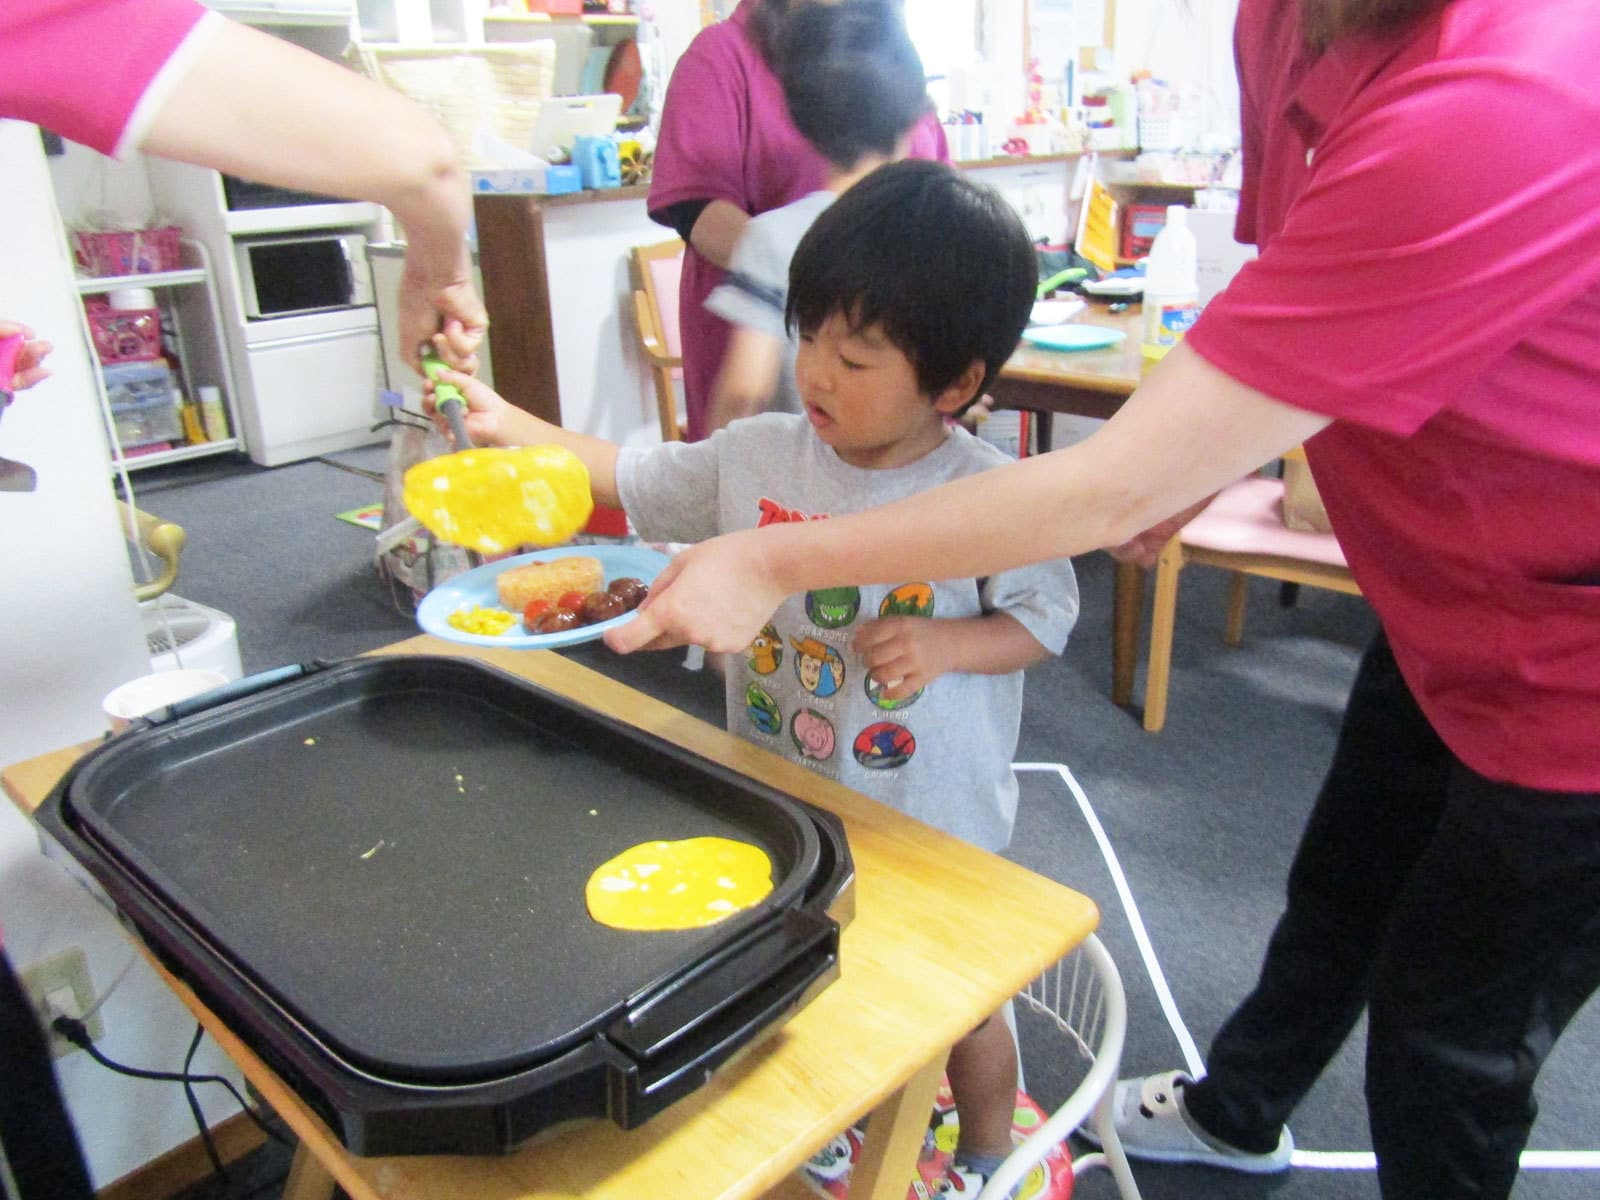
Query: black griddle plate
{"type": "Point", "coordinates": [380, 866]}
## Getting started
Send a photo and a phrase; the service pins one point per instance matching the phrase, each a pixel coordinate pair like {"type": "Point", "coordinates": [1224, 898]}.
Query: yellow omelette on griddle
{"type": "Point", "coordinates": [678, 885]}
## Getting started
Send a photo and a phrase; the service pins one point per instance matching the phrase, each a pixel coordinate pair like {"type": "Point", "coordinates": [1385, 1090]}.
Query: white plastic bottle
{"type": "Point", "coordinates": [1171, 285]}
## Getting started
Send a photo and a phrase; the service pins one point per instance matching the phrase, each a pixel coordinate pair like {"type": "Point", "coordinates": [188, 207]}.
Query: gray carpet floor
{"type": "Point", "coordinates": [1203, 817]}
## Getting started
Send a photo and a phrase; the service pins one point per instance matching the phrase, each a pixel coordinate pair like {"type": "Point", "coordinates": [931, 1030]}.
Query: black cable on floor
{"type": "Point", "coordinates": [217, 1168]}
{"type": "Point", "coordinates": [76, 1033]}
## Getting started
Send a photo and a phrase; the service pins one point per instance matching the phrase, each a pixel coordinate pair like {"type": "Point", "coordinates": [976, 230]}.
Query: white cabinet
{"type": "Point", "coordinates": [315, 381]}
{"type": "Point", "coordinates": [188, 303]}
{"type": "Point", "coordinates": [307, 385]}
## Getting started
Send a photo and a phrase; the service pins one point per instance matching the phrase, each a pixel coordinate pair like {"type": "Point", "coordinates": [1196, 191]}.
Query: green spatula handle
{"type": "Point", "coordinates": [447, 397]}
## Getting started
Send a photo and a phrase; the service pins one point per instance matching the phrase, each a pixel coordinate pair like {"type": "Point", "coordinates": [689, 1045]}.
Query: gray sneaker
{"type": "Point", "coordinates": [1153, 1126]}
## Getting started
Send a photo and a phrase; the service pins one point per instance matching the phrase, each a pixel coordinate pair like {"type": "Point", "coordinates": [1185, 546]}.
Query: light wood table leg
{"type": "Point", "coordinates": [894, 1137]}
{"type": "Point", "coordinates": [308, 1179]}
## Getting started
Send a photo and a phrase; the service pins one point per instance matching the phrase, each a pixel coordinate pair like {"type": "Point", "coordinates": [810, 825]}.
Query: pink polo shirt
{"type": "Point", "coordinates": [1429, 218]}
{"type": "Point", "coordinates": [726, 134]}
{"type": "Point", "coordinates": [95, 71]}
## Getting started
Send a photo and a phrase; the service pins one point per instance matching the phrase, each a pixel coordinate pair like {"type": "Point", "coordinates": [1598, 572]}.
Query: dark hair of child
{"type": "Point", "coordinates": [852, 78]}
{"type": "Point", "coordinates": [940, 263]}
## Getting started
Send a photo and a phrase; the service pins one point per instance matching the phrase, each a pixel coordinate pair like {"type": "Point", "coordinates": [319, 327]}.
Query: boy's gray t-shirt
{"type": "Point", "coordinates": [944, 755]}
{"type": "Point", "coordinates": [757, 285]}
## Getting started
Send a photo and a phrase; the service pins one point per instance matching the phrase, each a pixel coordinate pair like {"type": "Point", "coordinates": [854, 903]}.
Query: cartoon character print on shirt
{"type": "Point", "coordinates": [884, 746]}
{"type": "Point", "coordinates": [833, 608]}
{"type": "Point", "coordinates": [818, 666]}
{"type": "Point", "coordinates": [765, 653]}
{"type": "Point", "coordinates": [812, 734]}
{"type": "Point", "coordinates": [908, 600]}
{"type": "Point", "coordinates": [874, 690]}
{"type": "Point", "coordinates": [762, 709]}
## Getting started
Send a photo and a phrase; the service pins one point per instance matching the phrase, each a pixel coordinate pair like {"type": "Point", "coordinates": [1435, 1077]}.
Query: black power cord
{"type": "Point", "coordinates": [78, 1034]}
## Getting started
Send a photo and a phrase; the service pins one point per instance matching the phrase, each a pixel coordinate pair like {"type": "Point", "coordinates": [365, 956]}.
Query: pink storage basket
{"type": "Point", "coordinates": [127, 252]}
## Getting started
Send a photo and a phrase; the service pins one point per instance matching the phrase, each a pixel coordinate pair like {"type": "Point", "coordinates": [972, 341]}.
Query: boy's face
{"type": "Point", "coordinates": [861, 396]}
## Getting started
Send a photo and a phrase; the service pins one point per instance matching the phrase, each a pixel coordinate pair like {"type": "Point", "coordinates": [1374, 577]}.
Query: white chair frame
{"type": "Point", "coordinates": [1082, 996]}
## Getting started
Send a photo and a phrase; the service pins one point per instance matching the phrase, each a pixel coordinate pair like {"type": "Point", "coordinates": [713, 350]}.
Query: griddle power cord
{"type": "Point", "coordinates": [78, 1034]}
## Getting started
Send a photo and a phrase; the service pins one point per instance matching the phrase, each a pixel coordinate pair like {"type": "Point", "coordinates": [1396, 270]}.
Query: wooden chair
{"type": "Point", "coordinates": [656, 269]}
{"type": "Point", "coordinates": [1241, 531]}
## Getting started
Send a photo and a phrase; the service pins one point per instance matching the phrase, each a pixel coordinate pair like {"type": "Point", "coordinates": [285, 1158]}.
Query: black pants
{"type": "Point", "coordinates": [39, 1155]}
{"type": "Point", "coordinates": [1463, 914]}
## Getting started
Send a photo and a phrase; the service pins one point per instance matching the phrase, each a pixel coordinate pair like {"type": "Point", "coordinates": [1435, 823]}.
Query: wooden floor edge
{"type": "Point", "coordinates": [186, 1165]}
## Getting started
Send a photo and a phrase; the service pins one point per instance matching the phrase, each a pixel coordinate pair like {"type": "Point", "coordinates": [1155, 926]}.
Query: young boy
{"type": "Point", "coordinates": [909, 293]}
{"type": "Point", "coordinates": [855, 88]}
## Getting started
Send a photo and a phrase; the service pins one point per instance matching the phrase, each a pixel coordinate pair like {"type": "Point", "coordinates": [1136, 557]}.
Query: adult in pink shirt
{"type": "Point", "coordinates": [171, 79]}
{"type": "Point", "coordinates": [1426, 311]}
{"type": "Point", "coordinates": [728, 150]}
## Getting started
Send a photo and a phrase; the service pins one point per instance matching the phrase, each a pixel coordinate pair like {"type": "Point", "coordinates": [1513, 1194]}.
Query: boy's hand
{"type": "Point", "coordinates": [491, 419]}
{"type": "Point", "coordinates": [29, 369]}
{"type": "Point", "coordinates": [904, 654]}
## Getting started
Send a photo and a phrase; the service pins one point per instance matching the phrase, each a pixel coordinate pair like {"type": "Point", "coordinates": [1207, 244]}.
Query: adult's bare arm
{"type": "Point", "coordinates": [716, 230]}
{"type": "Point", "coordinates": [1188, 431]}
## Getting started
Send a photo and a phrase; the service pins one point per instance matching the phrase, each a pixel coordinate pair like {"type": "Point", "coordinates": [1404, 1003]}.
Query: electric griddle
{"type": "Point", "coordinates": [374, 871]}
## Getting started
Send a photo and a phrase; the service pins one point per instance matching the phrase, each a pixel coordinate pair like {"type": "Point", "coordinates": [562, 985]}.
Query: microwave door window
{"type": "Point", "coordinates": [300, 276]}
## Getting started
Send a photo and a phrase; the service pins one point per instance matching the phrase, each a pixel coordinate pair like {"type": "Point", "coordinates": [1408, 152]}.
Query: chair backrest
{"type": "Point", "coordinates": [657, 269]}
{"type": "Point", "coordinates": [660, 268]}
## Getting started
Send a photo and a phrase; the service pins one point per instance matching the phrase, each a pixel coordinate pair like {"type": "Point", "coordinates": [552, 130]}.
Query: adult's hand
{"type": "Point", "coordinates": [451, 317]}
{"type": "Point", "coordinates": [1145, 548]}
{"type": "Point", "coordinates": [28, 369]}
{"type": "Point", "coordinates": [717, 594]}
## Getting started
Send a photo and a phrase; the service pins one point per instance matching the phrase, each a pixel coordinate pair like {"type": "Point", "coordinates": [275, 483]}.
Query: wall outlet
{"type": "Point", "coordinates": [59, 986]}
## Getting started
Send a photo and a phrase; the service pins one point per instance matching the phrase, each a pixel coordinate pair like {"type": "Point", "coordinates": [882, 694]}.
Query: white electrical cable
{"type": "Point", "coordinates": [120, 463]}
{"type": "Point", "coordinates": [1325, 1160]}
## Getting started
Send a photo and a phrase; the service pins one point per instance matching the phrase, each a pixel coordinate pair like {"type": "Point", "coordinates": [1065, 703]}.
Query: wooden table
{"type": "Point", "coordinates": [1082, 383]}
{"type": "Point", "coordinates": [874, 1042]}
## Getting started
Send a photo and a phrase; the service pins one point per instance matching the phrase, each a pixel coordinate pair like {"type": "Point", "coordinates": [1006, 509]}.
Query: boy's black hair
{"type": "Point", "coordinates": [940, 263]}
{"type": "Point", "coordinates": [853, 80]}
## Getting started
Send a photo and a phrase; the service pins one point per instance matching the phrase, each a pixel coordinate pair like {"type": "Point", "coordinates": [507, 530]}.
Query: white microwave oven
{"type": "Point", "coordinates": [288, 275]}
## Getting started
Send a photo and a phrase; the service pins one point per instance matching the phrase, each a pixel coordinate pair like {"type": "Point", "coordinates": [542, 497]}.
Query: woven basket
{"type": "Point", "coordinates": [469, 88]}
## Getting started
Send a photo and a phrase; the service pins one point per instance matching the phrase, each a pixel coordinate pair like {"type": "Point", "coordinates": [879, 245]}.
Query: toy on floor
{"type": "Point", "coordinates": [828, 1172]}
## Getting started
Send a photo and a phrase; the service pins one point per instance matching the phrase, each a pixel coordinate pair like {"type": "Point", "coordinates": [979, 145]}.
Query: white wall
{"type": "Point", "coordinates": [600, 369]}
{"type": "Point", "coordinates": [72, 632]}
{"type": "Point", "coordinates": [1188, 43]}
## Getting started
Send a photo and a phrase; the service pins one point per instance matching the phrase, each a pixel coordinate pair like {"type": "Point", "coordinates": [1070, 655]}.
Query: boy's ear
{"type": "Point", "coordinates": [963, 391]}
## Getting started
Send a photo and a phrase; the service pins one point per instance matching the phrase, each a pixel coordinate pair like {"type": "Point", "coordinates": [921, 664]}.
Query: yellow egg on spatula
{"type": "Point", "coordinates": [495, 499]}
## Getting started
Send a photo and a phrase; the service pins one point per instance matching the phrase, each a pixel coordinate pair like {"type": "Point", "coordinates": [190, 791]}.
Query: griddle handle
{"type": "Point", "coordinates": [234, 690]}
{"type": "Point", "coordinates": [680, 1034]}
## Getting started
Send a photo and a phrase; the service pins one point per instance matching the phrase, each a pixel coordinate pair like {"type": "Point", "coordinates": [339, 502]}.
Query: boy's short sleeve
{"type": "Point", "coordinates": [757, 285]}
{"type": "Point", "coordinates": [1414, 261]}
{"type": "Point", "coordinates": [1043, 597]}
{"type": "Point", "coordinates": [96, 72]}
{"type": "Point", "coordinates": [670, 492]}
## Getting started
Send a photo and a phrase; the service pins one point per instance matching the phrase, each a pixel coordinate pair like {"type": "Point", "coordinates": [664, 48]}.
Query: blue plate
{"type": "Point", "coordinates": [1073, 337]}
{"type": "Point", "coordinates": [477, 587]}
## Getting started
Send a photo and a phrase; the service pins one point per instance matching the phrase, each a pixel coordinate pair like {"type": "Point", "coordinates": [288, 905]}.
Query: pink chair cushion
{"type": "Point", "coordinates": [664, 273]}
{"type": "Point", "coordinates": [1246, 518]}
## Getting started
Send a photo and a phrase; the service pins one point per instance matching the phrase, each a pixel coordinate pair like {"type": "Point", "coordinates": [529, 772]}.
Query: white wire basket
{"type": "Point", "coordinates": [1081, 999]}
